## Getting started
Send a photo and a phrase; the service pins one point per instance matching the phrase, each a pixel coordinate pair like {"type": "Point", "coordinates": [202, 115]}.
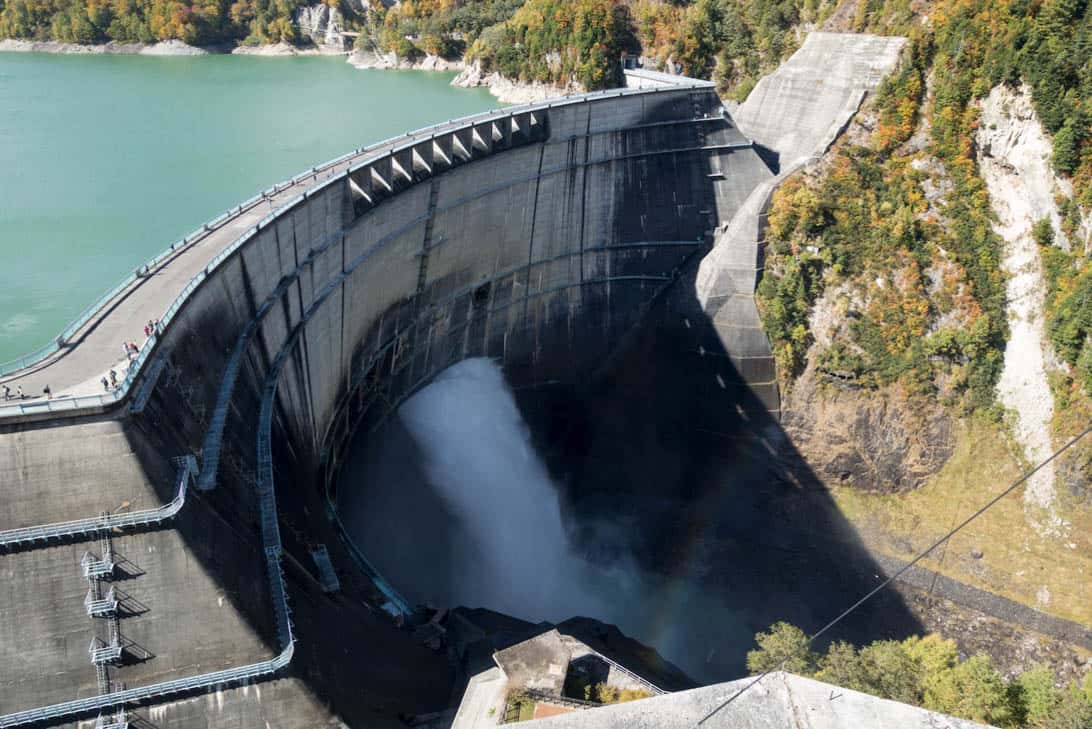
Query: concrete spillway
{"type": "Point", "coordinates": [553, 238]}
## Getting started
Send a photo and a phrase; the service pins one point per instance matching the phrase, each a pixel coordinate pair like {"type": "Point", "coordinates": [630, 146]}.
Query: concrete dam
{"type": "Point", "coordinates": [173, 546]}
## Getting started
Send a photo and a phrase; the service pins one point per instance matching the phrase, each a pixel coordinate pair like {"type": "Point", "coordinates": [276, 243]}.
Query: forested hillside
{"type": "Point", "coordinates": [926, 275]}
{"type": "Point", "coordinates": [205, 22]}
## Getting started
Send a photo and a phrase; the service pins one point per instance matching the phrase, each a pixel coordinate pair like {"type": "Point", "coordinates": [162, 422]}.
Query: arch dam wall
{"type": "Point", "coordinates": [537, 235]}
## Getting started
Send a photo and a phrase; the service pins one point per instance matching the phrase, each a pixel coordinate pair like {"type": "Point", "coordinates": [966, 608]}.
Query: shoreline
{"type": "Point", "coordinates": [113, 48]}
{"type": "Point", "coordinates": [470, 75]}
{"type": "Point", "coordinates": [508, 91]}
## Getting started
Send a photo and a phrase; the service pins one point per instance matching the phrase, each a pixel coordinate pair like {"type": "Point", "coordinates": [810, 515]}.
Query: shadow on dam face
{"type": "Point", "coordinates": [656, 493]}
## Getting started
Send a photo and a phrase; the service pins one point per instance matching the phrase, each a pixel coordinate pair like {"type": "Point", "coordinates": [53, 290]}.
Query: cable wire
{"type": "Point", "coordinates": [982, 510]}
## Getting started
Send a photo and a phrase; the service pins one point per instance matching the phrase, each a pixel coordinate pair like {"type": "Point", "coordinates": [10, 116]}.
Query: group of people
{"type": "Point", "coordinates": [131, 348]}
{"type": "Point", "coordinates": [109, 382]}
{"type": "Point", "coordinates": [112, 383]}
{"type": "Point", "coordinates": [20, 395]}
{"type": "Point", "coordinates": [18, 392]}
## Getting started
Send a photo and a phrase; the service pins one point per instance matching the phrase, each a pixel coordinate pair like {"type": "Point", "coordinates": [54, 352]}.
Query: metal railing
{"type": "Point", "coordinates": [97, 567]}
{"type": "Point", "coordinates": [104, 653]}
{"type": "Point", "coordinates": [232, 676]}
{"type": "Point", "coordinates": [560, 700]}
{"type": "Point", "coordinates": [106, 522]}
{"type": "Point", "coordinates": [271, 532]}
{"type": "Point", "coordinates": [151, 264]}
{"type": "Point", "coordinates": [118, 721]}
{"type": "Point", "coordinates": [327, 575]}
{"type": "Point", "coordinates": [616, 665]}
{"type": "Point", "coordinates": [99, 607]}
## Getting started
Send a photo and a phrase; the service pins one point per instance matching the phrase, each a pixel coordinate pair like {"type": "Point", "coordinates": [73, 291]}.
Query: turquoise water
{"type": "Point", "coordinates": [106, 160]}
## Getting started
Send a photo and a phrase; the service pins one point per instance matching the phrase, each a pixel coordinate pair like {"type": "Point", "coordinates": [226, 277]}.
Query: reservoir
{"type": "Point", "coordinates": [107, 160]}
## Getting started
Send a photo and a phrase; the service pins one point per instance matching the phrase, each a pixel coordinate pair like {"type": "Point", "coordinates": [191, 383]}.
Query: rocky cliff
{"type": "Point", "coordinates": [1014, 158]}
{"type": "Point", "coordinates": [321, 23]}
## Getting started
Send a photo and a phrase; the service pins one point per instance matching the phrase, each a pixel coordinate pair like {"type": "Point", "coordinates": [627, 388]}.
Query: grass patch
{"type": "Point", "coordinates": [1001, 551]}
{"type": "Point", "coordinates": [520, 707]}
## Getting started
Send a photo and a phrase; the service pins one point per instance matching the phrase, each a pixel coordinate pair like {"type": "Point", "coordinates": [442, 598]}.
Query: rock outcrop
{"type": "Point", "coordinates": [386, 61]}
{"type": "Point", "coordinates": [321, 23]}
{"type": "Point", "coordinates": [163, 48]}
{"type": "Point", "coordinates": [875, 441]}
{"type": "Point", "coordinates": [1014, 155]}
{"type": "Point", "coordinates": [509, 91]}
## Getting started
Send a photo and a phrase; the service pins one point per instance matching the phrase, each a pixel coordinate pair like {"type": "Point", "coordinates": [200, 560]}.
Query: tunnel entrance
{"type": "Point", "coordinates": [656, 493]}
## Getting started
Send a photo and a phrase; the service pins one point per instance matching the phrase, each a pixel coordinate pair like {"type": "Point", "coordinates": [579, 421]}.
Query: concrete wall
{"type": "Point", "coordinates": [797, 113]}
{"type": "Point", "coordinates": [538, 239]}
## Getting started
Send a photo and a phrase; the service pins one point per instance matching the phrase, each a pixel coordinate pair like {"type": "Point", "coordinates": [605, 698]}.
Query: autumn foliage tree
{"type": "Point", "coordinates": [555, 41]}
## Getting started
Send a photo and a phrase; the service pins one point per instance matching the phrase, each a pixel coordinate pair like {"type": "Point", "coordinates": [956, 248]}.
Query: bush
{"type": "Point", "coordinates": [1043, 232]}
{"type": "Point", "coordinates": [605, 694]}
{"type": "Point", "coordinates": [784, 647]}
{"type": "Point", "coordinates": [405, 49]}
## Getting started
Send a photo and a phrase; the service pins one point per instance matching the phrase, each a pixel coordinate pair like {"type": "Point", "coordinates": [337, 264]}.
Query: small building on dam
{"type": "Point", "coordinates": [171, 547]}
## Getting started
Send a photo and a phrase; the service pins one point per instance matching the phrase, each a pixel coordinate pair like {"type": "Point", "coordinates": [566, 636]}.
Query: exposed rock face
{"type": "Point", "coordinates": [385, 61]}
{"type": "Point", "coordinates": [875, 441]}
{"type": "Point", "coordinates": [1075, 473]}
{"type": "Point", "coordinates": [321, 23]}
{"type": "Point", "coordinates": [509, 91]}
{"type": "Point", "coordinates": [274, 50]}
{"type": "Point", "coordinates": [1014, 155]}
{"type": "Point", "coordinates": [163, 48]}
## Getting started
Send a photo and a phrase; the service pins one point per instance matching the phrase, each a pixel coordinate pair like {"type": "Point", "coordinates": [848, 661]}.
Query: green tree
{"type": "Point", "coordinates": [1072, 711]}
{"type": "Point", "coordinates": [1066, 155]}
{"type": "Point", "coordinates": [784, 647]}
{"type": "Point", "coordinates": [841, 666]}
{"type": "Point", "coordinates": [1038, 696]}
{"type": "Point", "coordinates": [972, 689]}
{"type": "Point", "coordinates": [892, 672]}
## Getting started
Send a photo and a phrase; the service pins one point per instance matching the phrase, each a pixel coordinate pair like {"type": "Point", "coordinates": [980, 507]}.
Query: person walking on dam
{"type": "Point", "coordinates": [105, 385]}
